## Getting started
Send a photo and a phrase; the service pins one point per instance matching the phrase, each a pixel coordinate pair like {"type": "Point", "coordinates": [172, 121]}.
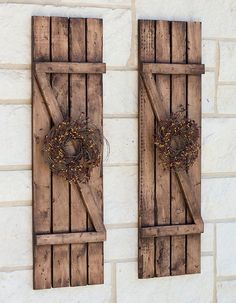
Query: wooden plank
{"type": "Point", "coordinates": [60, 190]}
{"type": "Point", "coordinates": [78, 214]}
{"type": "Point", "coordinates": [49, 98]}
{"type": "Point", "coordinates": [95, 212]}
{"type": "Point", "coordinates": [146, 253]}
{"type": "Point", "coordinates": [171, 230]}
{"type": "Point", "coordinates": [178, 97]}
{"type": "Point", "coordinates": [70, 68]}
{"type": "Point", "coordinates": [162, 176]}
{"type": "Point", "coordinates": [173, 69]}
{"type": "Point", "coordinates": [154, 96]}
{"type": "Point", "coordinates": [94, 113]}
{"type": "Point", "coordinates": [189, 194]}
{"type": "Point", "coordinates": [41, 173]}
{"type": "Point", "coordinates": [70, 238]}
{"type": "Point", "coordinates": [194, 112]}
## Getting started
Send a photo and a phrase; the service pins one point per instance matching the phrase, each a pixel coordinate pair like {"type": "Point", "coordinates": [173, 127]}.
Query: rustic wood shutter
{"type": "Point", "coordinates": [170, 220]}
{"type": "Point", "coordinates": [68, 224]}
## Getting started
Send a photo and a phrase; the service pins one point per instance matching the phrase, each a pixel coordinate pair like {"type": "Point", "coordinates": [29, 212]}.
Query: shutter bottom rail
{"type": "Point", "coordinates": [70, 68]}
{"type": "Point", "coordinates": [70, 238]}
{"type": "Point", "coordinates": [171, 230]}
{"type": "Point", "coordinates": [172, 69]}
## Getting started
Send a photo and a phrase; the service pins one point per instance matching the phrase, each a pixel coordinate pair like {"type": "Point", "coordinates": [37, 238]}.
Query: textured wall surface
{"type": "Point", "coordinates": [217, 282]}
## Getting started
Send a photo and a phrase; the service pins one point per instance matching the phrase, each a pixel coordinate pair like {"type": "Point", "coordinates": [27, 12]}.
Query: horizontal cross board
{"type": "Point", "coordinates": [70, 68]}
{"type": "Point", "coordinates": [173, 69]}
{"type": "Point", "coordinates": [70, 238]}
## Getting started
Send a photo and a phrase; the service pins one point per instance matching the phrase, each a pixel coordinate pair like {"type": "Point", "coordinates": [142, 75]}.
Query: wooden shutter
{"type": "Point", "coordinates": [170, 220]}
{"type": "Point", "coordinates": [68, 224]}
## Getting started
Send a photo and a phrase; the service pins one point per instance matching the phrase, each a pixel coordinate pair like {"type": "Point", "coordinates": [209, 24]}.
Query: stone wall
{"type": "Point", "coordinates": [217, 282]}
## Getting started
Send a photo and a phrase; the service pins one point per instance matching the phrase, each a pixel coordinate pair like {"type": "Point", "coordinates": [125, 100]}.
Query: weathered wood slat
{"type": "Point", "coordinates": [146, 253]}
{"type": "Point", "coordinates": [70, 68]}
{"type": "Point", "coordinates": [194, 112]}
{"type": "Point", "coordinates": [94, 211]}
{"type": "Point", "coordinates": [78, 212]}
{"type": "Point", "coordinates": [190, 196]}
{"type": "Point", "coordinates": [178, 97]}
{"type": "Point", "coordinates": [94, 113]}
{"type": "Point", "coordinates": [171, 230]}
{"type": "Point", "coordinates": [70, 238]}
{"type": "Point", "coordinates": [155, 97]}
{"type": "Point", "coordinates": [162, 176]}
{"type": "Point", "coordinates": [173, 69]}
{"type": "Point", "coordinates": [60, 189]}
{"type": "Point", "coordinates": [49, 98]}
{"type": "Point", "coordinates": [41, 173]}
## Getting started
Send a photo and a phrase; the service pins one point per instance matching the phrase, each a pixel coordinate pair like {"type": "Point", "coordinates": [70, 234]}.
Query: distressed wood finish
{"type": "Point", "coordinates": [172, 230]}
{"type": "Point", "coordinates": [94, 112]}
{"type": "Point", "coordinates": [163, 176]}
{"type": "Point", "coordinates": [172, 69]}
{"type": "Point", "coordinates": [67, 221]}
{"type": "Point", "coordinates": [77, 43]}
{"type": "Point", "coordinates": [178, 97]}
{"type": "Point", "coordinates": [70, 238]}
{"type": "Point", "coordinates": [41, 173]}
{"type": "Point", "coordinates": [146, 155]}
{"type": "Point", "coordinates": [70, 68]}
{"type": "Point", "coordinates": [194, 112]}
{"type": "Point", "coordinates": [169, 202]}
{"type": "Point", "coordinates": [60, 188]}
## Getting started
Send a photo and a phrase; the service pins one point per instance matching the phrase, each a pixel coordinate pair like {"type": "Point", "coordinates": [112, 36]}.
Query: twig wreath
{"type": "Point", "coordinates": [177, 140]}
{"type": "Point", "coordinates": [73, 149]}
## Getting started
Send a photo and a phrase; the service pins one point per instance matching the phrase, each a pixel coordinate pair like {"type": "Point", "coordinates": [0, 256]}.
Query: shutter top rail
{"type": "Point", "coordinates": [173, 69]}
{"type": "Point", "coordinates": [171, 230]}
{"type": "Point", "coordinates": [70, 68]}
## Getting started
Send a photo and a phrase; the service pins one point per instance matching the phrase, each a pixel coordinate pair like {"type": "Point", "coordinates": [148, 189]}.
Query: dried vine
{"type": "Point", "coordinates": [177, 141]}
{"type": "Point", "coordinates": [73, 149]}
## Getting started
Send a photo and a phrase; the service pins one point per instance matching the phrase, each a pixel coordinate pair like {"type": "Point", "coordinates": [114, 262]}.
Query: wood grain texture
{"type": "Point", "coordinates": [78, 213]}
{"type": "Point", "coordinates": [94, 113]}
{"type": "Point", "coordinates": [49, 97]}
{"type": "Point", "coordinates": [188, 191]}
{"type": "Point", "coordinates": [163, 176]}
{"type": "Point", "coordinates": [171, 230]}
{"type": "Point", "coordinates": [70, 67]}
{"type": "Point", "coordinates": [41, 173]}
{"type": "Point", "coordinates": [178, 98]}
{"type": "Point", "coordinates": [71, 238]}
{"type": "Point", "coordinates": [60, 188]}
{"type": "Point", "coordinates": [194, 112]}
{"type": "Point", "coordinates": [157, 101]}
{"type": "Point", "coordinates": [146, 253]}
{"type": "Point", "coordinates": [172, 69]}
